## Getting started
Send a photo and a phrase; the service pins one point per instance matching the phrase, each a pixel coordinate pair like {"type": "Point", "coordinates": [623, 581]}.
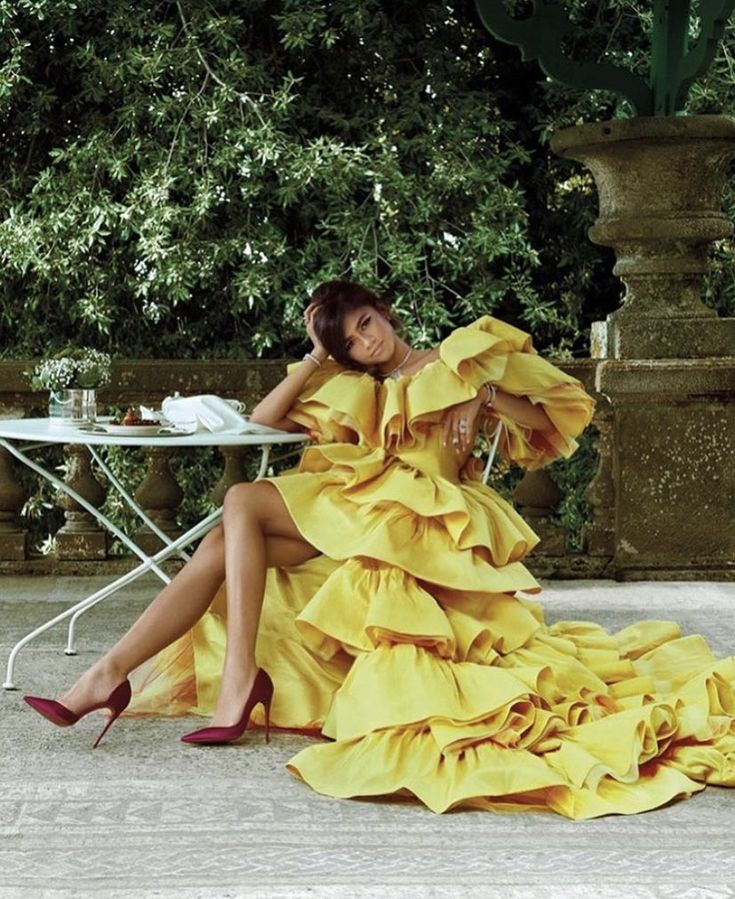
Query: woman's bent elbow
{"type": "Point", "coordinates": [257, 417]}
{"type": "Point", "coordinates": [281, 424]}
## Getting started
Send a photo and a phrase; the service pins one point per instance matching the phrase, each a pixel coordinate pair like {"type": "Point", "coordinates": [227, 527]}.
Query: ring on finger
{"type": "Point", "coordinates": [463, 426]}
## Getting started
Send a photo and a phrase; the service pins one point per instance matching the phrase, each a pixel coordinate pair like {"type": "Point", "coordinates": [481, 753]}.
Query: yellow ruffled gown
{"type": "Point", "coordinates": [406, 643]}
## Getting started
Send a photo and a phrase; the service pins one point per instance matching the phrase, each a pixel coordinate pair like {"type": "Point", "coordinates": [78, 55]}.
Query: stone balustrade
{"type": "Point", "coordinates": [81, 546]}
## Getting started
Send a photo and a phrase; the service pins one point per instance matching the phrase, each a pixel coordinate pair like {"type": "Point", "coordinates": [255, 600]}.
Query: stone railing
{"type": "Point", "coordinates": [81, 546]}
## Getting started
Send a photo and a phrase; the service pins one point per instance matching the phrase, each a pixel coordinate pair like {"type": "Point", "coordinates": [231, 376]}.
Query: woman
{"type": "Point", "coordinates": [392, 621]}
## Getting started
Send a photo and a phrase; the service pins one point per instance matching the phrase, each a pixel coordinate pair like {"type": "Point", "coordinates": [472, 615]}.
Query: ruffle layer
{"type": "Point", "coordinates": [348, 503]}
{"type": "Point", "coordinates": [486, 776]}
{"type": "Point", "coordinates": [405, 644]}
{"type": "Point", "coordinates": [490, 350]}
{"type": "Point", "coordinates": [469, 699]}
{"type": "Point", "coordinates": [339, 405]}
{"type": "Point", "coordinates": [381, 484]}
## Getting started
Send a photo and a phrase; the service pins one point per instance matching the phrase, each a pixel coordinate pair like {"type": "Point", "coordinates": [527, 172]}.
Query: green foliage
{"type": "Point", "coordinates": [572, 476]}
{"type": "Point", "coordinates": [177, 177]}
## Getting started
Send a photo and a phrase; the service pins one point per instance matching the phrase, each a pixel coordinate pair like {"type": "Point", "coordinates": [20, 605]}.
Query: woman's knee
{"type": "Point", "coordinates": [240, 499]}
{"type": "Point", "coordinates": [262, 504]}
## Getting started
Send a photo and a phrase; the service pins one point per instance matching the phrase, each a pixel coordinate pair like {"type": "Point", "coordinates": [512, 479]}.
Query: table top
{"type": "Point", "coordinates": [40, 430]}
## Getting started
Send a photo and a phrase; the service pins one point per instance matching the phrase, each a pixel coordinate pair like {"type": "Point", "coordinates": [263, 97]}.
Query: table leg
{"type": "Point", "coordinates": [189, 537]}
{"type": "Point", "coordinates": [103, 519]}
{"type": "Point", "coordinates": [79, 607]}
{"type": "Point", "coordinates": [116, 483]}
{"type": "Point", "coordinates": [265, 450]}
{"type": "Point", "coordinates": [192, 534]}
{"type": "Point", "coordinates": [148, 563]}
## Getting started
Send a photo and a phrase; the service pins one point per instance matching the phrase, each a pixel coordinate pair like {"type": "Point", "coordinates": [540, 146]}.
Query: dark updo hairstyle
{"type": "Point", "coordinates": [335, 299]}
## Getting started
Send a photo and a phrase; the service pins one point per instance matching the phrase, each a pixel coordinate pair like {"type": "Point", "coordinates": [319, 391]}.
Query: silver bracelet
{"type": "Point", "coordinates": [492, 391]}
{"type": "Point", "coordinates": [312, 359]}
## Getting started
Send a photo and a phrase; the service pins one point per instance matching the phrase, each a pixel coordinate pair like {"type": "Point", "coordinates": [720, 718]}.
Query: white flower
{"type": "Point", "coordinates": [83, 369]}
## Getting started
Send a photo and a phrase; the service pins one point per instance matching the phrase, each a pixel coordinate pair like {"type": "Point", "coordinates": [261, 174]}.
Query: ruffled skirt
{"type": "Point", "coordinates": [466, 698]}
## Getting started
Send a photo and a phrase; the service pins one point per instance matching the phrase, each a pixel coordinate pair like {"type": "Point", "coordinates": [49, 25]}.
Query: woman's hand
{"type": "Point", "coordinates": [460, 424]}
{"type": "Point", "coordinates": [318, 350]}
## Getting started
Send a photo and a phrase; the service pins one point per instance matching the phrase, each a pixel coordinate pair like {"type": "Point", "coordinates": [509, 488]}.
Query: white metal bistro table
{"type": "Point", "coordinates": [21, 436]}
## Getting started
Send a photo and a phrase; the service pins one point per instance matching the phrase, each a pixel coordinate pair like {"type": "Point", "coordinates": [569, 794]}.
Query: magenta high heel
{"type": "Point", "coordinates": [116, 702]}
{"type": "Point", "coordinates": [262, 692]}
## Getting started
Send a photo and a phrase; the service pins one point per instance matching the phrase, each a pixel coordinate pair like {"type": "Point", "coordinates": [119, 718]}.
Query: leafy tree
{"type": "Point", "coordinates": [177, 176]}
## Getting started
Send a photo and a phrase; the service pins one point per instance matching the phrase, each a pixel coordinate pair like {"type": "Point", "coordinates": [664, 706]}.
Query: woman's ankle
{"type": "Point", "coordinates": [109, 669]}
{"type": "Point", "coordinates": [239, 676]}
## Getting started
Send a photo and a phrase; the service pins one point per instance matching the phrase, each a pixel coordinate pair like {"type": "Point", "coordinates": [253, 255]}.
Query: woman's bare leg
{"type": "Point", "coordinates": [252, 514]}
{"type": "Point", "coordinates": [176, 609]}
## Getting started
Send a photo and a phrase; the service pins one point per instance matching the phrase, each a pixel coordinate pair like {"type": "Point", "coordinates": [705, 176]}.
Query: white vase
{"type": "Point", "coordinates": [72, 407]}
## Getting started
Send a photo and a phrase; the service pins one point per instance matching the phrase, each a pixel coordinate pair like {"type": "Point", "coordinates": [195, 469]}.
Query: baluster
{"type": "Point", "coordinates": [160, 497]}
{"type": "Point", "coordinates": [599, 534]}
{"type": "Point", "coordinates": [13, 537]}
{"type": "Point", "coordinates": [81, 537]}
{"type": "Point", "coordinates": [537, 495]}
{"type": "Point", "coordinates": [233, 473]}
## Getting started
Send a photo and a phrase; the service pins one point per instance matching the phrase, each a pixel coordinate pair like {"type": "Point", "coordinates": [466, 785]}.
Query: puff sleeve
{"type": "Point", "coordinates": [490, 350]}
{"type": "Point", "coordinates": [336, 405]}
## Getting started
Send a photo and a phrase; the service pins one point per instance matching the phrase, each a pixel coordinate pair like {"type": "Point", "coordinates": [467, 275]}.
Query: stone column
{"type": "Point", "coordinates": [667, 362]}
{"type": "Point", "coordinates": [599, 534]}
{"type": "Point", "coordinates": [13, 536]}
{"type": "Point", "coordinates": [81, 537]}
{"type": "Point", "coordinates": [160, 497]}
{"type": "Point", "coordinates": [659, 183]}
{"type": "Point", "coordinates": [673, 451]}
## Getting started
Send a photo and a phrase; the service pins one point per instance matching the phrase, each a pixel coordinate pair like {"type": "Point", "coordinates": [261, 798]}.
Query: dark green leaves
{"type": "Point", "coordinates": [176, 177]}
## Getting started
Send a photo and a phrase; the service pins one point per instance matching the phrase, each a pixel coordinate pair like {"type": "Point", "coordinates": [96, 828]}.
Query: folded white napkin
{"type": "Point", "coordinates": [210, 413]}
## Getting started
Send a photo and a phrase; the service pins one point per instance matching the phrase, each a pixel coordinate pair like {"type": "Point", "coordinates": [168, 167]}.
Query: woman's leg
{"type": "Point", "coordinates": [173, 612]}
{"type": "Point", "coordinates": [253, 514]}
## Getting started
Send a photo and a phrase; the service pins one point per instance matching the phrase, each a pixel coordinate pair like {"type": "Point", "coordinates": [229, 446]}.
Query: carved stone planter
{"type": "Point", "coordinates": [660, 183]}
{"type": "Point", "coordinates": [667, 361]}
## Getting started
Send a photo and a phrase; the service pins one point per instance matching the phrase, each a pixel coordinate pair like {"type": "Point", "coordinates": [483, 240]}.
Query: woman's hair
{"type": "Point", "coordinates": [335, 300]}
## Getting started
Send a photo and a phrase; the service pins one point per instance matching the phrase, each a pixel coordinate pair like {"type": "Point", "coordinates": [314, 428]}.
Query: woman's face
{"type": "Point", "coordinates": [369, 337]}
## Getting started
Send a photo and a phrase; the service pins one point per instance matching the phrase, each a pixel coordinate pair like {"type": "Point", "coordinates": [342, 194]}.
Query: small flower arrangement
{"type": "Point", "coordinates": [73, 368]}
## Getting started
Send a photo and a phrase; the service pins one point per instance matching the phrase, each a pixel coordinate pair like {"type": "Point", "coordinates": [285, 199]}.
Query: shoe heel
{"type": "Point", "coordinates": [267, 710]}
{"type": "Point", "coordinates": [117, 702]}
{"type": "Point", "coordinates": [113, 718]}
{"type": "Point", "coordinates": [261, 692]}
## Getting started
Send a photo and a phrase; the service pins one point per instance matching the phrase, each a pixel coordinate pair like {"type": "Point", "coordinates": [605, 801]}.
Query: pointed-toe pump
{"type": "Point", "coordinates": [262, 691]}
{"type": "Point", "coordinates": [116, 702]}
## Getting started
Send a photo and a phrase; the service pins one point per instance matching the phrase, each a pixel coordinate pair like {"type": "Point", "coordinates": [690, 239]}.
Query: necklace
{"type": "Point", "coordinates": [396, 372]}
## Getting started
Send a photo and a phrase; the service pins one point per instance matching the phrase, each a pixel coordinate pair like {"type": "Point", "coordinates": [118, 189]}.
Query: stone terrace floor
{"type": "Point", "coordinates": [145, 816]}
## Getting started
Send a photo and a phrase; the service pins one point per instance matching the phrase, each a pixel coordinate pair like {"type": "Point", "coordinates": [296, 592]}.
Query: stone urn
{"type": "Point", "coordinates": [666, 361]}
{"type": "Point", "coordinates": [659, 182]}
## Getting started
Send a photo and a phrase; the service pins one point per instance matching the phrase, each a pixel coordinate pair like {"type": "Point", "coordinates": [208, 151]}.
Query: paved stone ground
{"type": "Point", "coordinates": [146, 816]}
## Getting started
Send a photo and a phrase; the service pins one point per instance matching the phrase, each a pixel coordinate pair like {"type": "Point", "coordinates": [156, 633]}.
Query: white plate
{"type": "Point", "coordinates": [137, 430]}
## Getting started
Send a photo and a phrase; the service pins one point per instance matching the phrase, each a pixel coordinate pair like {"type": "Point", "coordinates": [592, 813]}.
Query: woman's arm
{"type": "Point", "coordinates": [274, 407]}
{"type": "Point", "coordinates": [460, 421]}
{"type": "Point", "coordinates": [522, 410]}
